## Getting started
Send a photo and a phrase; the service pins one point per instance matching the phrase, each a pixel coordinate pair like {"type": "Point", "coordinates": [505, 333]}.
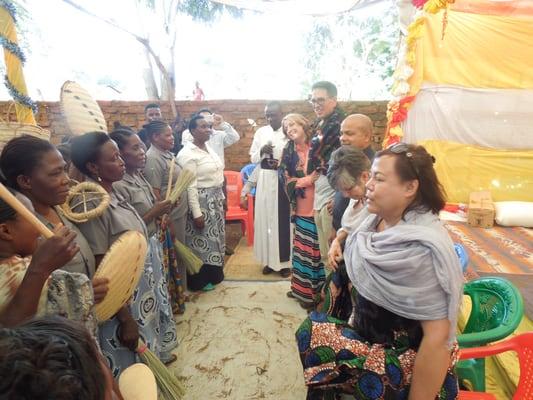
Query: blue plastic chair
{"type": "Point", "coordinates": [462, 254]}
{"type": "Point", "coordinates": [246, 171]}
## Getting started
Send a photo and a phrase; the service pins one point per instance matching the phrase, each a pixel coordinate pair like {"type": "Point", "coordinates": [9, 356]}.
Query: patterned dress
{"type": "Point", "coordinates": [353, 346]}
{"type": "Point", "coordinates": [68, 294]}
{"type": "Point", "coordinates": [101, 232]}
{"type": "Point", "coordinates": [308, 272]}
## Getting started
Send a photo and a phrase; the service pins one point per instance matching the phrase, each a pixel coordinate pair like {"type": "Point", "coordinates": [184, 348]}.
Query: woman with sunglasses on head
{"type": "Point", "coordinates": [406, 287]}
{"type": "Point", "coordinates": [137, 191]}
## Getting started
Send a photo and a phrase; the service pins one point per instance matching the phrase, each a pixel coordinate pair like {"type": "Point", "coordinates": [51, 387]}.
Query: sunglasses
{"type": "Point", "coordinates": [403, 148]}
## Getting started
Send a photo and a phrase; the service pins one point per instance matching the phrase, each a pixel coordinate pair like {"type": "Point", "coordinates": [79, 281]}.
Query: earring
{"type": "Point", "coordinates": [98, 178]}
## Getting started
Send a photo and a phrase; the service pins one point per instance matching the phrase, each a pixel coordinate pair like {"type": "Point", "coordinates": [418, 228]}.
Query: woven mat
{"type": "Point", "coordinates": [237, 342]}
{"type": "Point", "coordinates": [242, 266]}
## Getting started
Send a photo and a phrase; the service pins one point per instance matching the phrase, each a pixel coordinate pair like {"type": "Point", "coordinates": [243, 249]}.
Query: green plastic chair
{"type": "Point", "coordinates": [497, 309]}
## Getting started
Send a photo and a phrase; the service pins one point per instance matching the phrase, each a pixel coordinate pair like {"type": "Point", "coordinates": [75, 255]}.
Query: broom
{"type": "Point", "coordinates": [185, 178]}
{"type": "Point", "coordinates": [169, 386]}
{"type": "Point", "coordinates": [191, 261]}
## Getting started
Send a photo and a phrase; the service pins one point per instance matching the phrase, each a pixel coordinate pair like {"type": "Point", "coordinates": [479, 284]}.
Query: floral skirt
{"type": "Point", "coordinates": [336, 359]}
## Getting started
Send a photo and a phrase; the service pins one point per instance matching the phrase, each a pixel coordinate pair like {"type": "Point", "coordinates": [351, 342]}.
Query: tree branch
{"type": "Point", "coordinates": [106, 20]}
{"type": "Point", "coordinates": [144, 41]}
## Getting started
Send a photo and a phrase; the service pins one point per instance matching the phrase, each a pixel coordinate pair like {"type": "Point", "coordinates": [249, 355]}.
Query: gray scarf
{"type": "Point", "coordinates": [410, 269]}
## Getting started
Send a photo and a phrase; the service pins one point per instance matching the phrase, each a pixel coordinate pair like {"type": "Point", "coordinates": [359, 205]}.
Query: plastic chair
{"type": "Point", "coordinates": [462, 254]}
{"type": "Point", "coordinates": [497, 309]}
{"type": "Point", "coordinates": [235, 212]}
{"type": "Point", "coordinates": [246, 171]}
{"type": "Point", "coordinates": [523, 346]}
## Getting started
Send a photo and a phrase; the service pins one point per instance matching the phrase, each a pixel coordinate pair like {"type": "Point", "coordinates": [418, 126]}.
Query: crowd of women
{"type": "Point", "coordinates": [382, 318]}
{"type": "Point", "coordinates": [56, 276]}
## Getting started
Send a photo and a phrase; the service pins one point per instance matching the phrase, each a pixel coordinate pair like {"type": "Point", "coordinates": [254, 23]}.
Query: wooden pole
{"type": "Point", "coordinates": [15, 203]}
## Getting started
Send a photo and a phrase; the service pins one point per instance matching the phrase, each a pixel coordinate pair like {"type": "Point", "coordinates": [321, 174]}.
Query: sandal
{"type": "Point", "coordinates": [285, 272]}
{"type": "Point", "coordinates": [170, 360]}
{"type": "Point", "coordinates": [208, 287]}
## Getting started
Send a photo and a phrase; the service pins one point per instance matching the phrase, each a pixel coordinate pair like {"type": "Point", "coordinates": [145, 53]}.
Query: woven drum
{"type": "Point", "coordinates": [122, 266]}
{"type": "Point", "coordinates": [81, 112]}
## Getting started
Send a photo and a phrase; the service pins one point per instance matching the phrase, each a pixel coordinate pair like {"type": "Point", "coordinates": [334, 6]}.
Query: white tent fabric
{"type": "Point", "coordinates": [496, 118]}
{"type": "Point", "coordinates": [306, 7]}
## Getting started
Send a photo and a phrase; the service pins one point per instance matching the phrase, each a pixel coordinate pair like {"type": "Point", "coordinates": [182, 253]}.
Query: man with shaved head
{"type": "Point", "coordinates": [356, 131]}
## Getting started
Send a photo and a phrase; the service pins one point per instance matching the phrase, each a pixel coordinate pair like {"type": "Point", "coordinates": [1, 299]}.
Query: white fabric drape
{"type": "Point", "coordinates": [495, 118]}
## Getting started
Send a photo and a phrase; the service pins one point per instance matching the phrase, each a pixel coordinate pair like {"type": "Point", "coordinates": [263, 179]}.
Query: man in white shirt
{"type": "Point", "coordinates": [272, 222]}
{"type": "Point", "coordinates": [224, 135]}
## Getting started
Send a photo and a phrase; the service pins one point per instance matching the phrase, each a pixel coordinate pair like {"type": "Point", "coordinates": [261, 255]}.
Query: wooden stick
{"type": "Point", "coordinates": [15, 203]}
{"type": "Point", "coordinates": [169, 185]}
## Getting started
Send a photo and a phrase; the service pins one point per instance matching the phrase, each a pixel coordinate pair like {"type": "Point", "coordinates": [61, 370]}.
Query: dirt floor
{"type": "Point", "coordinates": [237, 341]}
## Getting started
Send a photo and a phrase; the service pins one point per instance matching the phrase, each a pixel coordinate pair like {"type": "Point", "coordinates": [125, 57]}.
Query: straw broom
{"type": "Point", "coordinates": [169, 183]}
{"type": "Point", "coordinates": [191, 260]}
{"type": "Point", "coordinates": [169, 385]}
{"type": "Point", "coordinates": [185, 178]}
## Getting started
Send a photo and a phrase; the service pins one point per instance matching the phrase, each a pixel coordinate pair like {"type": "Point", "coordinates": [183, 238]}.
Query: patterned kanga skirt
{"type": "Point", "coordinates": [209, 243]}
{"type": "Point", "coordinates": [337, 359]}
{"type": "Point", "coordinates": [307, 269]}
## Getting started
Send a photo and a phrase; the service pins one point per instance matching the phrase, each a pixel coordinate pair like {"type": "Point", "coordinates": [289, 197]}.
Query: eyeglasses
{"type": "Point", "coordinates": [403, 148]}
{"type": "Point", "coordinates": [320, 101]}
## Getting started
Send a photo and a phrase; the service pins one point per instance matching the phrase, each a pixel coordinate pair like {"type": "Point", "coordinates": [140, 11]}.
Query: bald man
{"type": "Point", "coordinates": [356, 131]}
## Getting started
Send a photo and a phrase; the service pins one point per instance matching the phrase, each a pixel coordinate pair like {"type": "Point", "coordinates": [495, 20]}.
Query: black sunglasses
{"type": "Point", "coordinates": [403, 148]}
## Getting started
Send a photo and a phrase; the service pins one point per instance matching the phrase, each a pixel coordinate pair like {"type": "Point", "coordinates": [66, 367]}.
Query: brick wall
{"type": "Point", "coordinates": [236, 112]}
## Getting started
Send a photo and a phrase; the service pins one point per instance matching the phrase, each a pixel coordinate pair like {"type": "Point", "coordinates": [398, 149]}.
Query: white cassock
{"type": "Point", "coordinates": [266, 230]}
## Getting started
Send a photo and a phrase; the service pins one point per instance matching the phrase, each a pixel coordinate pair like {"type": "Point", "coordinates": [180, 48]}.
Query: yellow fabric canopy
{"type": "Point", "coordinates": [478, 51]}
{"type": "Point", "coordinates": [463, 169]}
{"type": "Point", "coordinates": [514, 8]}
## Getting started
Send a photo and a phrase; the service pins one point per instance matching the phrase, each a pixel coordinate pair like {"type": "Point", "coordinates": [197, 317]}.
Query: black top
{"type": "Point", "coordinates": [378, 325]}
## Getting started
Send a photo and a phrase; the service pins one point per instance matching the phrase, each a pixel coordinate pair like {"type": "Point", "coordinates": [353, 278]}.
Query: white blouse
{"type": "Point", "coordinates": [207, 167]}
{"type": "Point", "coordinates": [354, 214]}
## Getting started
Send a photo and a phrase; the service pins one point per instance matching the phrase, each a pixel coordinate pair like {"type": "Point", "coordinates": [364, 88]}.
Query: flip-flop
{"type": "Point", "coordinates": [208, 287]}
{"type": "Point", "coordinates": [171, 359]}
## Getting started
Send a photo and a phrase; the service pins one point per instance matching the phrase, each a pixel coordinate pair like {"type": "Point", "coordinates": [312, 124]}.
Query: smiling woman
{"type": "Point", "coordinates": [35, 168]}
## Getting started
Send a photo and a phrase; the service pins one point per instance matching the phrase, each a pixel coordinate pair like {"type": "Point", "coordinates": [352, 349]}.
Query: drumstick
{"type": "Point", "coordinates": [15, 203]}
{"type": "Point", "coordinates": [169, 185]}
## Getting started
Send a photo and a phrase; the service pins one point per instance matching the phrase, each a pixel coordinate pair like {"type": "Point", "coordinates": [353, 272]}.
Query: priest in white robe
{"type": "Point", "coordinates": [272, 218]}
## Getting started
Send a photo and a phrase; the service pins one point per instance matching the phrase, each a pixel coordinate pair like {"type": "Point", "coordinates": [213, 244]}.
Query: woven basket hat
{"type": "Point", "coordinates": [122, 266]}
{"type": "Point", "coordinates": [10, 130]}
{"type": "Point", "coordinates": [137, 382]}
{"type": "Point", "coordinates": [82, 113]}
